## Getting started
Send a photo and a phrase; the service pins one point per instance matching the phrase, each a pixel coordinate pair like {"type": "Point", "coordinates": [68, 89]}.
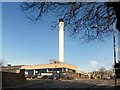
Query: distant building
{"type": "Point", "coordinates": [9, 68]}
{"type": "Point", "coordinates": [100, 75]}
{"type": "Point", "coordinates": [53, 68]}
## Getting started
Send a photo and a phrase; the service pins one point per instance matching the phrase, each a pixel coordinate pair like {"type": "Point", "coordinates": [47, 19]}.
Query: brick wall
{"type": "Point", "coordinates": [12, 79]}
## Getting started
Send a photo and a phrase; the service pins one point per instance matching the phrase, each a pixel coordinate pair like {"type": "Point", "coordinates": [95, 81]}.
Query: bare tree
{"type": "Point", "coordinates": [81, 18]}
{"type": "Point", "coordinates": [1, 62]}
{"type": "Point", "coordinates": [102, 71]}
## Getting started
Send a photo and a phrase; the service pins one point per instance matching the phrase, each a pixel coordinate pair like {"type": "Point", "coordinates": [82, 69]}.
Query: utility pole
{"type": "Point", "coordinates": [118, 46]}
{"type": "Point", "coordinates": [114, 41]}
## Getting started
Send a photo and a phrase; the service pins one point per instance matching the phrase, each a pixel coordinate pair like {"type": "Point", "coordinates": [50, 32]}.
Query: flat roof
{"type": "Point", "coordinates": [53, 65]}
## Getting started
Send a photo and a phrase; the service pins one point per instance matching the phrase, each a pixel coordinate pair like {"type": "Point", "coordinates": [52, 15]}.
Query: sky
{"type": "Point", "coordinates": [28, 43]}
{"type": "Point", "coordinates": [0, 30]}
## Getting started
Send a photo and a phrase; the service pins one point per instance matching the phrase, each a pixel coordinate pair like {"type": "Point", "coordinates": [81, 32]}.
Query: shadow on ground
{"type": "Point", "coordinates": [60, 85]}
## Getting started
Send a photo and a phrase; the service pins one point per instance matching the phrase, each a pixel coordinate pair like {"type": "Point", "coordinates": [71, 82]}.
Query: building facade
{"type": "Point", "coordinates": [49, 69]}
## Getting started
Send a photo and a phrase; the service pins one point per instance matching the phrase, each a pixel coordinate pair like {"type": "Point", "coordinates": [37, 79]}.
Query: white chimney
{"type": "Point", "coordinates": [61, 40]}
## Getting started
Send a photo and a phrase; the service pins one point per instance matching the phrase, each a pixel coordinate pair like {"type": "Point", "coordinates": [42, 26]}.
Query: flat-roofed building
{"type": "Point", "coordinates": [9, 68]}
{"type": "Point", "coordinates": [49, 69]}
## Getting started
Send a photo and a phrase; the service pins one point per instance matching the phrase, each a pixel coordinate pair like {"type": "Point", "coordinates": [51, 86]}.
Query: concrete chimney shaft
{"type": "Point", "coordinates": [61, 40]}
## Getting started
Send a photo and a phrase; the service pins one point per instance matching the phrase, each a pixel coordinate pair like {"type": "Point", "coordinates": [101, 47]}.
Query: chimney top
{"type": "Point", "coordinates": [60, 20]}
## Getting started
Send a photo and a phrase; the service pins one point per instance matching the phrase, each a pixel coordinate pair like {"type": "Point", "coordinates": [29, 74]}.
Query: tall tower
{"type": "Point", "coordinates": [61, 40]}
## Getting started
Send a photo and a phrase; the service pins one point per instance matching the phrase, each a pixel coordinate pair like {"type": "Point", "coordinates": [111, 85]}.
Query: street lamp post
{"type": "Point", "coordinates": [114, 41]}
{"type": "Point", "coordinates": [119, 47]}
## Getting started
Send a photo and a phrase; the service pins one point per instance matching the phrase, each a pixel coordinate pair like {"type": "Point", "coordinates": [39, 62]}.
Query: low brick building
{"type": "Point", "coordinates": [53, 68]}
{"type": "Point", "coordinates": [49, 69]}
{"type": "Point", "coordinates": [14, 69]}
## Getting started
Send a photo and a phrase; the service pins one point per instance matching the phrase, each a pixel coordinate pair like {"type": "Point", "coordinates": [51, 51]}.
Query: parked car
{"type": "Point", "coordinates": [51, 77]}
{"type": "Point", "coordinates": [39, 77]}
{"type": "Point", "coordinates": [34, 76]}
{"type": "Point", "coordinates": [27, 76]}
{"type": "Point", "coordinates": [55, 77]}
{"type": "Point", "coordinates": [30, 76]}
{"type": "Point", "coordinates": [45, 77]}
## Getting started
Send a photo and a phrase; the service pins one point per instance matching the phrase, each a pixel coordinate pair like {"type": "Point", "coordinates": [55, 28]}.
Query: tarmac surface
{"type": "Point", "coordinates": [65, 84]}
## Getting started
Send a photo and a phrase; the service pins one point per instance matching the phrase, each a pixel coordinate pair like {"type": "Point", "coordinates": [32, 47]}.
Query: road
{"type": "Point", "coordinates": [67, 84]}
